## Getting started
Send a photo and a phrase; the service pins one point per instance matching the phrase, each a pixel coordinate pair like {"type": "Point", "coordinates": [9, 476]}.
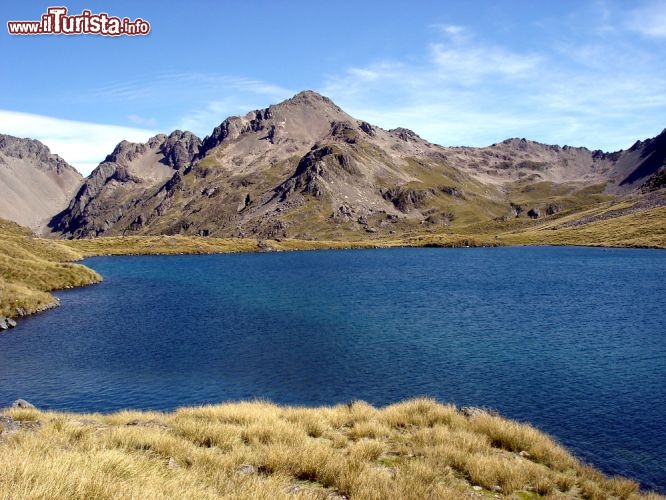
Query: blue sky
{"type": "Point", "coordinates": [588, 73]}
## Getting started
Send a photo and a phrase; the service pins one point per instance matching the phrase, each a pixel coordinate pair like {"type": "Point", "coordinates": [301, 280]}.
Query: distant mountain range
{"type": "Point", "coordinates": [306, 169]}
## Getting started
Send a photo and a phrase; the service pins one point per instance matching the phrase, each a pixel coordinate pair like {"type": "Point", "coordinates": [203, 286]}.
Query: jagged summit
{"type": "Point", "coordinates": [32, 149]}
{"type": "Point", "coordinates": [303, 118]}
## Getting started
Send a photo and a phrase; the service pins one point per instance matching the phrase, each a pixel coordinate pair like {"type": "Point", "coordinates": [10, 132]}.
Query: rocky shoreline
{"type": "Point", "coordinates": [7, 323]}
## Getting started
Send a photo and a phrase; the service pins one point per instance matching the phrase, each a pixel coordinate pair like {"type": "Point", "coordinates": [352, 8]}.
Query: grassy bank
{"type": "Point", "coordinates": [646, 229]}
{"type": "Point", "coordinates": [415, 449]}
{"type": "Point", "coordinates": [31, 267]}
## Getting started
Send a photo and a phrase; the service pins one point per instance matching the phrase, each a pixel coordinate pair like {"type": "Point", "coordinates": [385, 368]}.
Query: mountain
{"type": "Point", "coordinates": [34, 183]}
{"type": "Point", "coordinates": [304, 168]}
{"type": "Point", "coordinates": [128, 175]}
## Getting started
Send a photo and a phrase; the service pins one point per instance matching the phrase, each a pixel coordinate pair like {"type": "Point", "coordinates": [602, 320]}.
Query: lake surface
{"type": "Point", "coordinates": [572, 340]}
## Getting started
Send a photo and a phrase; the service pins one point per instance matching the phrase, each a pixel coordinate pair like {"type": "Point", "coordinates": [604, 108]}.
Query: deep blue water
{"type": "Point", "coordinates": [572, 340]}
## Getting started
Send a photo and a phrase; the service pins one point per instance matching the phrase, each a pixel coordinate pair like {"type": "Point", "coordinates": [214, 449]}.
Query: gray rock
{"type": "Point", "coordinates": [8, 425]}
{"type": "Point", "coordinates": [22, 403]}
{"type": "Point", "coordinates": [475, 411]}
{"type": "Point", "coordinates": [246, 469]}
{"type": "Point", "coordinates": [88, 421]}
{"type": "Point", "coordinates": [11, 322]}
{"type": "Point", "coordinates": [3, 323]}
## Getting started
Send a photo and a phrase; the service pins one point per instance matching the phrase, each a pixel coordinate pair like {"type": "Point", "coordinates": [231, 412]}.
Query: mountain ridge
{"type": "Point", "coordinates": [304, 168]}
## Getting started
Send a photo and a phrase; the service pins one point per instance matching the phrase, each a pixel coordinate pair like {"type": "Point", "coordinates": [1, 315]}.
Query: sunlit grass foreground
{"type": "Point", "coordinates": [415, 449]}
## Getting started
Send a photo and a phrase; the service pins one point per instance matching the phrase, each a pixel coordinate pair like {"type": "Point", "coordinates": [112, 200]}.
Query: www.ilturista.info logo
{"type": "Point", "coordinates": [57, 22]}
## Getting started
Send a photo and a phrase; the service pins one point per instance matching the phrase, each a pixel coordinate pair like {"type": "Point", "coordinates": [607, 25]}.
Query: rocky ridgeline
{"type": "Point", "coordinates": [31, 149]}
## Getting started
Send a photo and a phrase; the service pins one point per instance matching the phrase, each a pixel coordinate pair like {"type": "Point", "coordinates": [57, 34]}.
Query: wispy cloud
{"type": "Point", "coordinates": [199, 100]}
{"type": "Point", "coordinates": [470, 64]}
{"type": "Point", "coordinates": [140, 120]}
{"type": "Point", "coordinates": [82, 144]}
{"type": "Point", "coordinates": [649, 19]}
{"type": "Point", "coordinates": [600, 90]}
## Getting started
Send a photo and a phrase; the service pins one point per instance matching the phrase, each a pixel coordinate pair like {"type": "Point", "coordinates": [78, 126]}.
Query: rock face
{"type": "Point", "coordinates": [304, 168]}
{"type": "Point", "coordinates": [34, 183]}
{"type": "Point", "coordinates": [124, 179]}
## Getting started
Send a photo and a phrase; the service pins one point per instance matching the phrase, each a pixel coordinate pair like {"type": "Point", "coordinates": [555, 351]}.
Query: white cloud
{"type": "Point", "coordinates": [198, 101]}
{"type": "Point", "coordinates": [140, 120]}
{"type": "Point", "coordinates": [82, 144]}
{"type": "Point", "coordinates": [601, 91]}
{"type": "Point", "coordinates": [649, 19]}
{"type": "Point", "coordinates": [181, 85]}
{"type": "Point", "coordinates": [469, 64]}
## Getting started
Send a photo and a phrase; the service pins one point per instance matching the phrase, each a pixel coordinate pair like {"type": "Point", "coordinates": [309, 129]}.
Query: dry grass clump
{"type": "Point", "coordinates": [414, 449]}
{"type": "Point", "coordinates": [30, 267]}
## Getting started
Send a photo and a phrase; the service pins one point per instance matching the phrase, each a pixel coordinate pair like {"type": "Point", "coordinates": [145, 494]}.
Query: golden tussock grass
{"type": "Point", "coordinates": [414, 449]}
{"type": "Point", "coordinates": [31, 267]}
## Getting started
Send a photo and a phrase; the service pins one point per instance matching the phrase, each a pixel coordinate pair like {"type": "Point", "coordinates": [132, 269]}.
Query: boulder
{"type": "Point", "coordinates": [6, 323]}
{"type": "Point", "coordinates": [23, 404]}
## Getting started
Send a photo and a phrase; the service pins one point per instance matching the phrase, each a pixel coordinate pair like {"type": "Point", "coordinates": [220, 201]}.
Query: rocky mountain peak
{"type": "Point", "coordinates": [305, 117]}
{"type": "Point", "coordinates": [312, 99]}
{"type": "Point", "coordinates": [35, 151]}
{"type": "Point", "coordinates": [180, 148]}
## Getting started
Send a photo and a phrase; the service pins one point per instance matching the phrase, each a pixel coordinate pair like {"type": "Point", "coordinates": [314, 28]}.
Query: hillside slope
{"type": "Point", "coordinates": [34, 183]}
{"type": "Point", "coordinates": [305, 169]}
{"type": "Point", "coordinates": [31, 267]}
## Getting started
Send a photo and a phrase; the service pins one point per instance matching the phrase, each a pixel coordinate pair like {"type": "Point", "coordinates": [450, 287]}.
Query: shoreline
{"type": "Point", "coordinates": [182, 245]}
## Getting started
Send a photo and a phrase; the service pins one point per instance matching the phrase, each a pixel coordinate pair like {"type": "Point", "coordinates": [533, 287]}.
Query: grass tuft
{"type": "Point", "coordinates": [414, 449]}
